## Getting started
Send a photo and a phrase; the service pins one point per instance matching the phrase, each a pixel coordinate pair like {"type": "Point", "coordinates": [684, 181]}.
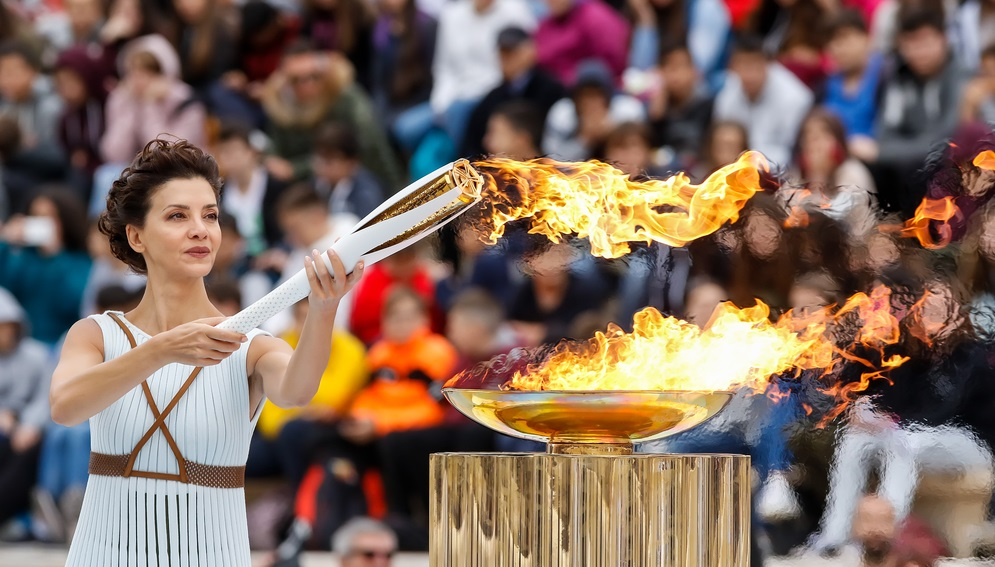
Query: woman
{"type": "Point", "coordinates": [167, 469]}
{"type": "Point", "coordinates": [345, 26]}
{"type": "Point", "coordinates": [836, 184]}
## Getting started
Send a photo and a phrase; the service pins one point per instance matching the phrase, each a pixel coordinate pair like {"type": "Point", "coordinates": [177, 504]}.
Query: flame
{"type": "Point", "coordinates": [737, 348]}
{"type": "Point", "coordinates": [928, 212]}
{"type": "Point", "coordinates": [985, 160]}
{"type": "Point", "coordinates": [594, 200]}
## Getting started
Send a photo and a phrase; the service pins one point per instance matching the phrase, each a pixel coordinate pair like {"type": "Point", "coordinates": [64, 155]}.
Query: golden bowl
{"type": "Point", "coordinates": [608, 417]}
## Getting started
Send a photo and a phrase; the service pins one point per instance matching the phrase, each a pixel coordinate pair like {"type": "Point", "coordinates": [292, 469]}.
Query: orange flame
{"type": "Point", "coordinates": [594, 200]}
{"type": "Point", "coordinates": [985, 160]}
{"type": "Point", "coordinates": [929, 211]}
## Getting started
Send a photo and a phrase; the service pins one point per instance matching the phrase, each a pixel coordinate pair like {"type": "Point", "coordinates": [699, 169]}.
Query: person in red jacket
{"type": "Point", "coordinates": [403, 268]}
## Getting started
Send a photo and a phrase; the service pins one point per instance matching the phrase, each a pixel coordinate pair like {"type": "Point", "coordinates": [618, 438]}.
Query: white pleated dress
{"type": "Point", "coordinates": [140, 521]}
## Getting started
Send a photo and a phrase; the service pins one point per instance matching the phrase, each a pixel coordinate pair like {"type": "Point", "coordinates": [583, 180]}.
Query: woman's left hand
{"type": "Point", "coordinates": [328, 288]}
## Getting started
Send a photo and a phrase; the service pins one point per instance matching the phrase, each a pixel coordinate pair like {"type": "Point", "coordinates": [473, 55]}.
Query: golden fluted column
{"type": "Point", "coordinates": [583, 510]}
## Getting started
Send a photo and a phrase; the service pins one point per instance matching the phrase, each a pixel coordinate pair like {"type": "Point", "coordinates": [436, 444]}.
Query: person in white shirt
{"type": "Point", "coordinates": [765, 98]}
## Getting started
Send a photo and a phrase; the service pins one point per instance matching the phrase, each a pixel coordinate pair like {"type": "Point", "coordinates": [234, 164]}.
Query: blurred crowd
{"type": "Point", "coordinates": [318, 110]}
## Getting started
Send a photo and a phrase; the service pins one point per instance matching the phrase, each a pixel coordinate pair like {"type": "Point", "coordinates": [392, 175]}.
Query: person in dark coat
{"type": "Point", "coordinates": [523, 79]}
{"type": "Point", "coordinates": [350, 188]}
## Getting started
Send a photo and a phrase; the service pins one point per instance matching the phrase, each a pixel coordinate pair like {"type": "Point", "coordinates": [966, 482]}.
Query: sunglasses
{"type": "Point", "coordinates": [372, 554]}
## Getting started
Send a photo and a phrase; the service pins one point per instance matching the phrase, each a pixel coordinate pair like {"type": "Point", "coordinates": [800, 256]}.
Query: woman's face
{"type": "Point", "coordinates": [727, 144]}
{"type": "Point", "coordinates": [181, 235]}
{"type": "Point", "coordinates": [818, 146]}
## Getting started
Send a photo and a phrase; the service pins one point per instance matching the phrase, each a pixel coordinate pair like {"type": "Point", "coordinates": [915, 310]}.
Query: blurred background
{"type": "Point", "coordinates": [318, 110]}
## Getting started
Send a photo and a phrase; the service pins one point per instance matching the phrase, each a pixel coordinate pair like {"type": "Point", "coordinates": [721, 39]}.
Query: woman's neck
{"type": "Point", "coordinates": [170, 303]}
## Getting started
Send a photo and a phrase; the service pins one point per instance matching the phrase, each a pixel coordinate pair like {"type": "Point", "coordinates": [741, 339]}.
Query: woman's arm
{"type": "Point", "coordinates": [83, 384]}
{"type": "Point", "coordinates": [290, 377]}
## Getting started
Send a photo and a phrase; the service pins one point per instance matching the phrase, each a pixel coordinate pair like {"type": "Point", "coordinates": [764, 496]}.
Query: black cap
{"type": "Point", "coordinates": [512, 38]}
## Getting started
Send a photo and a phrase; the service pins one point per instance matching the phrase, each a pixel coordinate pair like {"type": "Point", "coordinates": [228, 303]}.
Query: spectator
{"type": "Point", "coordinates": [835, 184]}
{"type": "Point", "coordinates": [629, 148]}
{"type": "Point", "coordinates": [150, 100]}
{"type": "Point", "coordinates": [43, 262]}
{"type": "Point", "coordinates": [766, 98]}
{"type": "Point", "coordinates": [979, 94]}
{"type": "Point", "coordinates": [27, 94]}
{"type": "Point", "coordinates": [265, 33]}
{"type": "Point", "coordinates": [576, 31]}
{"type": "Point", "coordinates": [250, 192]}
{"type": "Point", "coordinates": [81, 79]}
{"type": "Point", "coordinates": [681, 110]}
{"type": "Point", "coordinates": [24, 169]}
{"type": "Point", "coordinates": [363, 542]}
{"type": "Point", "coordinates": [852, 89]}
{"type": "Point", "coordinates": [309, 89]}
{"type": "Point", "coordinates": [578, 125]}
{"type": "Point", "coordinates": [79, 23]}
{"type": "Point", "coordinates": [304, 219]}
{"type": "Point", "coordinates": [338, 175]}
{"type": "Point", "coordinates": [476, 265]}
{"type": "Point", "coordinates": [343, 26]}
{"type": "Point", "coordinates": [799, 37]}
{"type": "Point", "coordinates": [284, 437]}
{"type": "Point", "coordinates": [24, 377]}
{"type": "Point", "coordinates": [404, 268]}
{"type": "Point", "coordinates": [205, 44]}
{"type": "Point", "coordinates": [703, 25]}
{"type": "Point", "coordinates": [403, 49]}
{"type": "Point", "coordinates": [15, 27]}
{"type": "Point", "coordinates": [521, 79]}
{"type": "Point", "coordinates": [466, 65]}
{"type": "Point", "coordinates": [974, 23]}
{"type": "Point", "coordinates": [722, 144]}
{"type": "Point", "coordinates": [514, 130]}
{"type": "Point", "coordinates": [106, 272]}
{"type": "Point", "coordinates": [919, 108]}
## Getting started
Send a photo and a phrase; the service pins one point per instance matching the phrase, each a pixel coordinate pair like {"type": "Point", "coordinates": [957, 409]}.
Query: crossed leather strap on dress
{"type": "Point", "coordinates": [189, 472]}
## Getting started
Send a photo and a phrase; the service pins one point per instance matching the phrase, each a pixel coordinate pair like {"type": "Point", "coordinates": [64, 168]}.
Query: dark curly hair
{"type": "Point", "coordinates": [160, 162]}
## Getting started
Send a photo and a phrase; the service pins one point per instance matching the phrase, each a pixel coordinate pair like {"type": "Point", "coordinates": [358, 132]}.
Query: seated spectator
{"type": "Point", "coordinates": [466, 65]}
{"type": "Point", "coordinates": [27, 95]}
{"type": "Point", "coordinates": [629, 148]}
{"type": "Point", "coordinates": [150, 100]}
{"type": "Point", "coordinates": [723, 143]}
{"type": "Point", "coordinates": [250, 192]}
{"type": "Point", "coordinates": [577, 125]}
{"type": "Point", "coordinates": [78, 23]}
{"type": "Point", "coordinates": [362, 542]}
{"type": "Point", "coordinates": [978, 103]}
{"type": "Point", "coordinates": [576, 31]}
{"type": "Point", "coordinates": [834, 183]}
{"type": "Point", "coordinates": [284, 437]}
{"type": "Point", "coordinates": [25, 168]}
{"type": "Point", "coordinates": [680, 111]}
{"type": "Point", "coordinates": [919, 108]}
{"type": "Point", "coordinates": [552, 296]}
{"type": "Point", "coordinates": [766, 98]}
{"type": "Point", "coordinates": [265, 33]}
{"type": "Point", "coordinates": [852, 89]}
{"type": "Point", "coordinates": [514, 131]}
{"type": "Point", "coordinates": [304, 219]}
{"type": "Point", "coordinates": [340, 177]}
{"type": "Point", "coordinates": [107, 272]}
{"type": "Point", "coordinates": [81, 78]}
{"type": "Point", "coordinates": [311, 88]}
{"type": "Point", "coordinates": [521, 79]}
{"type": "Point", "coordinates": [343, 26]}
{"type": "Point", "coordinates": [702, 25]}
{"type": "Point", "coordinates": [405, 268]}
{"type": "Point", "coordinates": [474, 327]}
{"type": "Point", "coordinates": [401, 78]}
{"type": "Point", "coordinates": [43, 262]}
{"type": "Point", "coordinates": [24, 413]}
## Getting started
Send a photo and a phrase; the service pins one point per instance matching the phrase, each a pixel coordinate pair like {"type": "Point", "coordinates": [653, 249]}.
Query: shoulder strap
{"type": "Point", "coordinates": [127, 331]}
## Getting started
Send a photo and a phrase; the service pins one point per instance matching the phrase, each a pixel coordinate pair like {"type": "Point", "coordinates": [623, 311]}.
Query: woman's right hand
{"type": "Point", "coordinates": [198, 343]}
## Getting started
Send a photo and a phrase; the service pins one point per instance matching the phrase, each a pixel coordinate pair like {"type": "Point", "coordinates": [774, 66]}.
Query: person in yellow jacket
{"type": "Point", "coordinates": [284, 438]}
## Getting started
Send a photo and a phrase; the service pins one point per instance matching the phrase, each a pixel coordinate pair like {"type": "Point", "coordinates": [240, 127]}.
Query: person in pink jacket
{"type": "Point", "coordinates": [579, 30]}
{"type": "Point", "coordinates": [150, 100]}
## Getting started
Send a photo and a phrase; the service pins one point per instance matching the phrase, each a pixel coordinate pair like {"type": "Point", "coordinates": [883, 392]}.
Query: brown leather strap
{"type": "Point", "coordinates": [160, 418]}
{"type": "Point", "coordinates": [194, 473]}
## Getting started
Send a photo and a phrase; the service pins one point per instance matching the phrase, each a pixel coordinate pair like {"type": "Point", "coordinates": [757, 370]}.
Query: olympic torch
{"type": "Point", "coordinates": [415, 212]}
